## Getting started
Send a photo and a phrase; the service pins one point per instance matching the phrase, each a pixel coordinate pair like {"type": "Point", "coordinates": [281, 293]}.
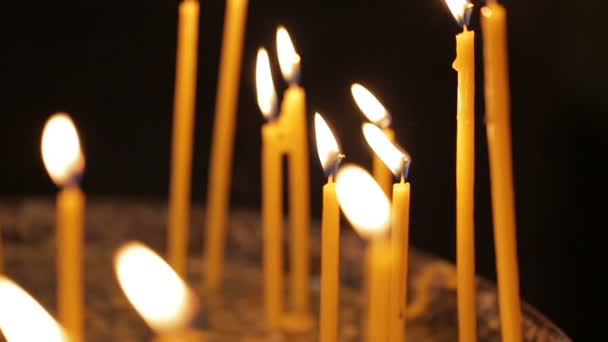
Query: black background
{"type": "Point", "coordinates": [111, 65]}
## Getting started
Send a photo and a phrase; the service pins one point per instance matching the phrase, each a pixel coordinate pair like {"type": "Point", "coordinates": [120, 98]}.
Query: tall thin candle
{"type": "Point", "coordinates": [464, 64]}
{"type": "Point", "coordinates": [64, 163]}
{"type": "Point", "coordinates": [272, 194]}
{"type": "Point", "coordinates": [498, 127]}
{"type": "Point", "coordinates": [220, 167]}
{"type": "Point", "coordinates": [367, 208]}
{"type": "Point", "coordinates": [183, 130]}
{"type": "Point", "coordinates": [330, 157]}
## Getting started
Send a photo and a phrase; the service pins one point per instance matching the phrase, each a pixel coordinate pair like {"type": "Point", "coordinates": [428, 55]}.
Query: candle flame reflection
{"type": "Point", "coordinates": [327, 145]}
{"type": "Point", "coordinates": [362, 200]}
{"type": "Point", "coordinates": [60, 147]}
{"type": "Point", "coordinates": [154, 289]}
{"type": "Point", "coordinates": [370, 106]}
{"type": "Point", "coordinates": [461, 10]}
{"type": "Point", "coordinates": [393, 157]}
{"type": "Point", "coordinates": [289, 60]}
{"type": "Point", "coordinates": [266, 94]}
{"type": "Point", "coordinates": [22, 319]}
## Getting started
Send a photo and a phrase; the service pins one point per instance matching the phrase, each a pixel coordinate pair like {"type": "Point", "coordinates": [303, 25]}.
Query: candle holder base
{"type": "Point", "coordinates": [297, 323]}
{"type": "Point", "coordinates": [236, 312]}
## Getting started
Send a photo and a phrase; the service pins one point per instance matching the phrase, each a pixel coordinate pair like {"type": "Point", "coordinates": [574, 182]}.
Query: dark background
{"type": "Point", "coordinates": [111, 65]}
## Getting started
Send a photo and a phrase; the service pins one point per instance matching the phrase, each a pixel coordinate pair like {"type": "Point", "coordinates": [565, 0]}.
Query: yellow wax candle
{"type": "Point", "coordinates": [294, 125]}
{"type": "Point", "coordinates": [273, 140]}
{"type": "Point", "coordinates": [272, 222]}
{"type": "Point", "coordinates": [293, 117]}
{"type": "Point", "coordinates": [378, 280]}
{"type": "Point", "coordinates": [330, 156]}
{"type": "Point", "coordinates": [70, 222]}
{"type": "Point", "coordinates": [397, 163]}
{"type": "Point", "coordinates": [64, 162]}
{"type": "Point", "coordinates": [220, 167]}
{"type": "Point", "coordinates": [464, 64]}
{"type": "Point", "coordinates": [493, 20]}
{"type": "Point", "coordinates": [367, 208]}
{"type": "Point", "coordinates": [330, 264]}
{"type": "Point", "coordinates": [400, 248]}
{"type": "Point", "coordinates": [183, 129]}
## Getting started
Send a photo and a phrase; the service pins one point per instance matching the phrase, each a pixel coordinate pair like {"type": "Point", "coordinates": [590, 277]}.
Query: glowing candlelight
{"type": "Point", "coordinates": [154, 289]}
{"type": "Point", "coordinates": [64, 163]}
{"type": "Point", "coordinates": [330, 157]}
{"type": "Point", "coordinates": [377, 114]}
{"type": "Point", "coordinates": [23, 319]}
{"type": "Point", "coordinates": [289, 60]}
{"type": "Point", "coordinates": [391, 155]}
{"type": "Point", "coordinates": [367, 208]}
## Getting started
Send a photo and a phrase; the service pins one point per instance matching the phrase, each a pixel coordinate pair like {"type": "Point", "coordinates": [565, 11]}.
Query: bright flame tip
{"type": "Point", "coordinates": [370, 106]}
{"type": "Point", "coordinates": [391, 155]}
{"type": "Point", "coordinates": [327, 146]}
{"type": "Point", "coordinates": [60, 148]}
{"type": "Point", "coordinates": [362, 200]}
{"type": "Point", "coordinates": [289, 59]}
{"type": "Point", "coordinates": [266, 93]}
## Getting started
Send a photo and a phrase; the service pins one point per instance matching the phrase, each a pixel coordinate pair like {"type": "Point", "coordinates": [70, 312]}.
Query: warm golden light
{"type": "Point", "coordinates": [370, 106]}
{"type": "Point", "coordinates": [267, 96]}
{"type": "Point", "coordinates": [60, 148]}
{"type": "Point", "coordinates": [392, 156]}
{"type": "Point", "coordinates": [327, 145]}
{"type": "Point", "coordinates": [459, 9]}
{"type": "Point", "coordinates": [289, 60]}
{"type": "Point", "coordinates": [154, 289]}
{"type": "Point", "coordinates": [22, 319]}
{"type": "Point", "coordinates": [362, 200]}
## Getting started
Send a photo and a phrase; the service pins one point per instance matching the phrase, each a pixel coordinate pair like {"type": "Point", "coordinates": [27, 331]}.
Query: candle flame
{"type": "Point", "coordinates": [60, 148]}
{"type": "Point", "coordinates": [22, 319]}
{"type": "Point", "coordinates": [327, 145]}
{"type": "Point", "coordinates": [267, 96]}
{"type": "Point", "coordinates": [289, 60]}
{"type": "Point", "coordinates": [461, 10]}
{"type": "Point", "coordinates": [393, 157]}
{"type": "Point", "coordinates": [370, 106]}
{"type": "Point", "coordinates": [362, 200]}
{"type": "Point", "coordinates": [154, 289]}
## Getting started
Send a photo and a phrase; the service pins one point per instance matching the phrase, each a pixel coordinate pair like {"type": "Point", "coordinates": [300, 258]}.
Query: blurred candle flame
{"type": "Point", "coordinates": [362, 200]}
{"type": "Point", "coordinates": [156, 292]}
{"type": "Point", "coordinates": [393, 157]}
{"type": "Point", "coordinates": [289, 60]}
{"type": "Point", "coordinates": [23, 319]}
{"type": "Point", "coordinates": [266, 94]}
{"type": "Point", "coordinates": [60, 147]}
{"type": "Point", "coordinates": [370, 106]}
{"type": "Point", "coordinates": [327, 145]}
{"type": "Point", "coordinates": [461, 10]}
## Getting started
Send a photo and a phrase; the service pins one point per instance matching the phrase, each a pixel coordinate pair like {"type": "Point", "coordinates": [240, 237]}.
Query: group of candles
{"type": "Point", "coordinates": [377, 207]}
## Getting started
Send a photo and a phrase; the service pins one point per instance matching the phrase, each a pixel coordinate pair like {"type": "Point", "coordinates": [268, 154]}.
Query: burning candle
{"type": "Point", "coordinates": [498, 126]}
{"type": "Point", "coordinates": [22, 319]}
{"type": "Point", "coordinates": [330, 157]}
{"type": "Point", "coordinates": [398, 162]}
{"type": "Point", "coordinates": [367, 208]}
{"type": "Point", "coordinates": [465, 173]}
{"type": "Point", "coordinates": [157, 293]}
{"type": "Point", "coordinates": [375, 112]}
{"type": "Point", "coordinates": [220, 168]}
{"type": "Point", "coordinates": [183, 130]}
{"type": "Point", "coordinates": [272, 193]}
{"type": "Point", "coordinates": [64, 163]}
{"type": "Point", "coordinates": [294, 126]}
